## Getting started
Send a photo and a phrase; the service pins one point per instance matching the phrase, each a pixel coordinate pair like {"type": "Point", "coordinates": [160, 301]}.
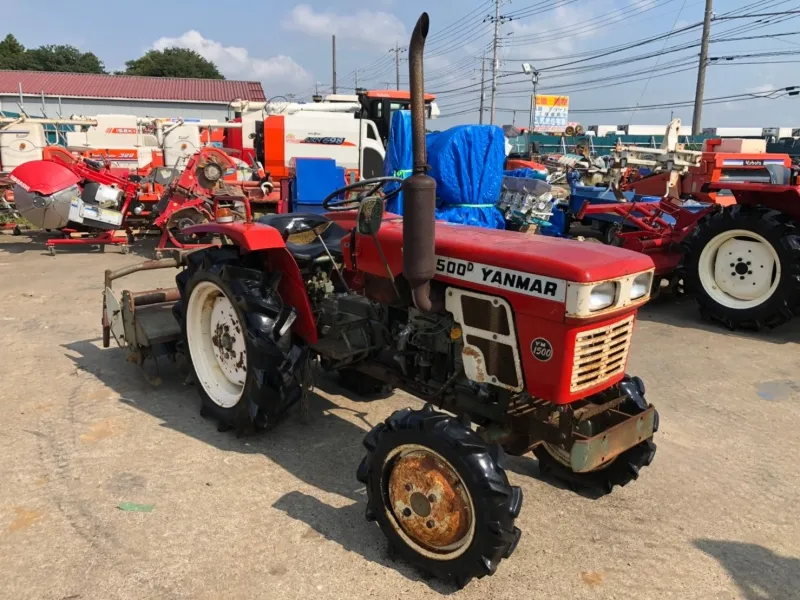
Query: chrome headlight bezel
{"type": "Point", "coordinates": [603, 295]}
{"type": "Point", "coordinates": [579, 302]}
{"type": "Point", "coordinates": [641, 285]}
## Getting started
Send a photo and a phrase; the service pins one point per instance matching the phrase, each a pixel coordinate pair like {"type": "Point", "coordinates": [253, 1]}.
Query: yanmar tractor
{"type": "Point", "coordinates": [525, 337]}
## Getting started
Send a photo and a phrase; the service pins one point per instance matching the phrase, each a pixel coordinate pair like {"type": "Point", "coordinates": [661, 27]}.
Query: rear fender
{"type": "Point", "coordinates": [254, 237]}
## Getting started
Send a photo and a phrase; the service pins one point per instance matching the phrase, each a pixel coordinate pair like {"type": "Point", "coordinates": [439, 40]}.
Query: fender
{"type": "Point", "coordinates": [255, 237]}
{"type": "Point", "coordinates": [250, 237]}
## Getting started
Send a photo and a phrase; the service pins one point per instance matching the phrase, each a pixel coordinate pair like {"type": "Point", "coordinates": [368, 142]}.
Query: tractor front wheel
{"type": "Point", "coordinates": [555, 461]}
{"type": "Point", "coordinates": [439, 495]}
{"type": "Point", "coordinates": [743, 266]}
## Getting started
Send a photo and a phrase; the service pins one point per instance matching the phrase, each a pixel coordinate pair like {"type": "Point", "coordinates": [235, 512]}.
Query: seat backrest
{"type": "Point", "coordinates": [779, 174]}
{"type": "Point", "coordinates": [282, 221]}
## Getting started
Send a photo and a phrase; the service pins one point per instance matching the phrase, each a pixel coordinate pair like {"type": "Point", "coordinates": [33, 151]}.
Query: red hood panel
{"type": "Point", "coordinates": [571, 260]}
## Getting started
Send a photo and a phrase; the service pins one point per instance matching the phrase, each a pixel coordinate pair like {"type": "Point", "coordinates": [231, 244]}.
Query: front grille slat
{"type": "Point", "coordinates": [600, 354]}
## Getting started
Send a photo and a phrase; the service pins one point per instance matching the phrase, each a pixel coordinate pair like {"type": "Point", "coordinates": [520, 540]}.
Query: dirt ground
{"type": "Point", "coordinates": [281, 515]}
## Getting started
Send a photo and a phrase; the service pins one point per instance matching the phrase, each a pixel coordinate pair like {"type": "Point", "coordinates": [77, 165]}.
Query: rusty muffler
{"type": "Point", "coordinates": [419, 190]}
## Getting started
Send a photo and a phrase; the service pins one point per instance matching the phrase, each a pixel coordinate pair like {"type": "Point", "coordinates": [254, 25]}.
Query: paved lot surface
{"type": "Point", "coordinates": [281, 515]}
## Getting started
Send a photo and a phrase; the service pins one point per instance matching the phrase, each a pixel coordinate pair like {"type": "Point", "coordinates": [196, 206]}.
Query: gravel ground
{"type": "Point", "coordinates": [281, 515]}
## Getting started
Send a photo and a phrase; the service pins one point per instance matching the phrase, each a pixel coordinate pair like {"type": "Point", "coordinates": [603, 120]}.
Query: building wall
{"type": "Point", "coordinates": [91, 106]}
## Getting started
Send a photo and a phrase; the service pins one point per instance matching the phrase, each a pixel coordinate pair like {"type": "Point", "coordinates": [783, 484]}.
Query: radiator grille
{"type": "Point", "coordinates": [600, 354]}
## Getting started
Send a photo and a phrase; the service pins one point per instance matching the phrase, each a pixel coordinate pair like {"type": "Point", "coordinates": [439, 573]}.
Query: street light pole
{"type": "Point", "coordinates": [529, 70]}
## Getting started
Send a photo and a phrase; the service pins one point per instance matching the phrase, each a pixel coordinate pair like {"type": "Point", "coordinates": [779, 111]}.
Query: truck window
{"type": "Point", "coordinates": [372, 132]}
{"type": "Point", "coordinates": [373, 164]}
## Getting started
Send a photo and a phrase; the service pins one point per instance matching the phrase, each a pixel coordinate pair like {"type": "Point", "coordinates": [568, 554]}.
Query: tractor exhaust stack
{"type": "Point", "coordinates": [419, 190]}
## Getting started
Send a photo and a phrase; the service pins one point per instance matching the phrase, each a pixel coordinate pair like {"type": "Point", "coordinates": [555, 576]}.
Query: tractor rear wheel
{"type": "Point", "coordinates": [228, 324]}
{"type": "Point", "coordinates": [743, 266]}
{"type": "Point", "coordinates": [439, 495]}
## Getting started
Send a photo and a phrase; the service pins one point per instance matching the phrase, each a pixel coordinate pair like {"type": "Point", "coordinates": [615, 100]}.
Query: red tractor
{"type": "Point", "coordinates": [740, 259]}
{"type": "Point", "coordinates": [526, 337]}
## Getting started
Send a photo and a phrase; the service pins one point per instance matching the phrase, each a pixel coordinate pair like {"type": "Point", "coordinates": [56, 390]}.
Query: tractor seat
{"type": "Point", "coordinates": [298, 231]}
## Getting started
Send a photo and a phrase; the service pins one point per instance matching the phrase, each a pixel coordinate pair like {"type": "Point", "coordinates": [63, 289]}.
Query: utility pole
{"type": "Point", "coordinates": [701, 71]}
{"type": "Point", "coordinates": [356, 81]}
{"type": "Point", "coordinates": [483, 83]}
{"type": "Point", "coordinates": [397, 50]}
{"type": "Point", "coordinates": [498, 20]}
{"type": "Point", "coordinates": [334, 64]}
{"type": "Point", "coordinates": [397, 64]}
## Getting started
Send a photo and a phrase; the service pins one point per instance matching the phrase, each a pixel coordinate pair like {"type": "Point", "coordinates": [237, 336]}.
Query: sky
{"type": "Point", "coordinates": [576, 45]}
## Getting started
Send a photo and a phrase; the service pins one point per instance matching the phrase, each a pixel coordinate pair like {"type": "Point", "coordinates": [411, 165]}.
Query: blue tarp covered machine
{"type": "Point", "coordinates": [467, 163]}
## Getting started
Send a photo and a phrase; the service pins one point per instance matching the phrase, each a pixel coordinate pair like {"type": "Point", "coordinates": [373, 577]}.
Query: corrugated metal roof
{"type": "Point", "coordinates": [84, 85]}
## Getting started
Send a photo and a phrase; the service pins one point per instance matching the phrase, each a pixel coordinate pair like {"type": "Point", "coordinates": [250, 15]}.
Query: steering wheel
{"type": "Point", "coordinates": [333, 204]}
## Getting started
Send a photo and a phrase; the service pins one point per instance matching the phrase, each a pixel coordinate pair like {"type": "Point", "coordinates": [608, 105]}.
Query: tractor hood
{"type": "Point", "coordinates": [569, 260]}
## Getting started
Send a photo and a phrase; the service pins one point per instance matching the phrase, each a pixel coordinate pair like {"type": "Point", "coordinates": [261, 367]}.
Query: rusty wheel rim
{"type": "Point", "coordinates": [428, 505]}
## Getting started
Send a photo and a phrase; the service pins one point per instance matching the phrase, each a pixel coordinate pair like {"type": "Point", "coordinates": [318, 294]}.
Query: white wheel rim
{"type": "Point", "coordinates": [216, 344]}
{"type": "Point", "coordinates": [739, 269]}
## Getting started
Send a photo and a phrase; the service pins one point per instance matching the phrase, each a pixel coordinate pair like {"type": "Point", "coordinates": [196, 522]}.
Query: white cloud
{"type": "Point", "coordinates": [760, 89]}
{"type": "Point", "coordinates": [371, 27]}
{"type": "Point", "coordinates": [235, 62]}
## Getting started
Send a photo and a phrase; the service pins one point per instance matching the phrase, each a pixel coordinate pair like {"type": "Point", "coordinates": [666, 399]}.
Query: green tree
{"type": "Point", "coordinates": [12, 53]}
{"type": "Point", "coordinates": [173, 62]}
{"type": "Point", "coordinates": [68, 59]}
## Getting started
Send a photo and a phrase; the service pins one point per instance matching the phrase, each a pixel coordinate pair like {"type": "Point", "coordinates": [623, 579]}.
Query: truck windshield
{"type": "Point", "coordinates": [407, 106]}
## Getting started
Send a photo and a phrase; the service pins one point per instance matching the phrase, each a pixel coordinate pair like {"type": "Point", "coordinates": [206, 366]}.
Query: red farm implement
{"type": "Point", "coordinates": [740, 261]}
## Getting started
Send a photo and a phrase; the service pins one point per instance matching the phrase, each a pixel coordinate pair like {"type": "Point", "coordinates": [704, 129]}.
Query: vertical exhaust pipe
{"type": "Point", "coordinates": [419, 190]}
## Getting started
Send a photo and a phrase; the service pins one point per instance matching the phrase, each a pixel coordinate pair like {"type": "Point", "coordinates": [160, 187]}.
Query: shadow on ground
{"type": "Point", "coordinates": [681, 311]}
{"type": "Point", "coordinates": [323, 453]}
{"type": "Point", "coordinates": [758, 572]}
{"type": "Point", "coordinates": [35, 241]}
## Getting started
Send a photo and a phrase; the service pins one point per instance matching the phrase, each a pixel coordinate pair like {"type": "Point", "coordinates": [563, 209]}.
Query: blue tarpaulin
{"type": "Point", "coordinates": [528, 173]}
{"type": "Point", "coordinates": [399, 156]}
{"type": "Point", "coordinates": [466, 162]}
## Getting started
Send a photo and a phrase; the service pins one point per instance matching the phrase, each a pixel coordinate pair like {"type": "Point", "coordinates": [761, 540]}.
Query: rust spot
{"type": "Point", "coordinates": [592, 578]}
{"type": "Point", "coordinates": [472, 352]}
{"type": "Point", "coordinates": [417, 477]}
{"type": "Point", "coordinates": [24, 518]}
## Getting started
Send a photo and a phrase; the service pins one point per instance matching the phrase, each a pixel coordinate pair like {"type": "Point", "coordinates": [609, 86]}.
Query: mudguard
{"type": "Point", "coordinates": [255, 237]}
{"type": "Point", "coordinates": [250, 237]}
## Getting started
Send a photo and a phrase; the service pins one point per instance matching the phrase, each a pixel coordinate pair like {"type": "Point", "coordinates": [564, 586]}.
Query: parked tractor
{"type": "Point", "coordinates": [739, 252]}
{"type": "Point", "coordinates": [525, 337]}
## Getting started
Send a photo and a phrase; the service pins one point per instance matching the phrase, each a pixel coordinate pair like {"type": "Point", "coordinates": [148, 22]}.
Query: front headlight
{"type": "Point", "coordinates": [641, 285]}
{"type": "Point", "coordinates": [603, 295]}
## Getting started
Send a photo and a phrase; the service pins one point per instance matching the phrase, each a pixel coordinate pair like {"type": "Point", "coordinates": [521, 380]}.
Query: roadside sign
{"type": "Point", "coordinates": [551, 115]}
